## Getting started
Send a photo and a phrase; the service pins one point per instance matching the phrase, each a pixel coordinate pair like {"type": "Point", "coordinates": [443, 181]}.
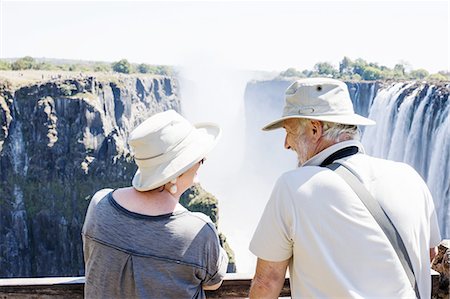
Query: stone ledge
{"type": "Point", "coordinates": [235, 285]}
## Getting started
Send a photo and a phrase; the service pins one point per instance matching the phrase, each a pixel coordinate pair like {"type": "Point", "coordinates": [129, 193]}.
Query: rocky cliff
{"type": "Point", "coordinates": [60, 141]}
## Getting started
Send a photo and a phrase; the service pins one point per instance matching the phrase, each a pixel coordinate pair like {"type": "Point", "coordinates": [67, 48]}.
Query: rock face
{"type": "Point", "coordinates": [441, 264]}
{"type": "Point", "coordinates": [60, 141]}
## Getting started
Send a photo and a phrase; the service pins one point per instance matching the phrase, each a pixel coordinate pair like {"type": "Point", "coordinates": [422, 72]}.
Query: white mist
{"type": "Point", "coordinates": [240, 171]}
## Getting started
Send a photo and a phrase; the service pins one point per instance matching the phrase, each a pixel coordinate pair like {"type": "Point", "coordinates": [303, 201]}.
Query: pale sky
{"type": "Point", "coordinates": [247, 35]}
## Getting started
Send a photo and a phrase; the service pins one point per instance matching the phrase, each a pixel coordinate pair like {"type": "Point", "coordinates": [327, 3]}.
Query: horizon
{"type": "Point", "coordinates": [245, 35]}
{"type": "Point", "coordinates": [67, 61]}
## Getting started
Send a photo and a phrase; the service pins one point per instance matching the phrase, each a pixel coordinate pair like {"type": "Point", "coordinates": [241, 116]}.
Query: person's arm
{"type": "Point", "coordinates": [269, 279]}
{"type": "Point", "coordinates": [433, 253]}
{"type": "Point", "coordinates": [212, 287]}
{"type": "Point", "coordinates": [217, 263]}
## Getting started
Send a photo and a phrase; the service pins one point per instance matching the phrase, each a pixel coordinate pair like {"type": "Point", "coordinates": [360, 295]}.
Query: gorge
{"type": "Point", "coordinates": [63, 139]}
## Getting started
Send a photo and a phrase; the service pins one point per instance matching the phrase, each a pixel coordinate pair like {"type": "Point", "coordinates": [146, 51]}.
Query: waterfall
{"type": "Point", "coordinates": [413, 126]}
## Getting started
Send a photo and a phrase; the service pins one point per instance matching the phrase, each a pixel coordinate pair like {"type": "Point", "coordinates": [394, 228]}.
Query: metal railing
{"type": "Point", "coordinates": [235, 285]}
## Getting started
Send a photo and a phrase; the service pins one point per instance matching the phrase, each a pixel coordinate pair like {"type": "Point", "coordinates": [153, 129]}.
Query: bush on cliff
{"type": "Point", "coordinates": [360, 69]}
{"type": "Point", "coordinates": [325, 69]}
{"type": "Point", "coordinates": [25, 63]}
{"type": "Point", "coordinates": [5, 65]}
{"type": "Point", "coordinates": [438, 77]}
{"type": "Point", "coordinates": [419, 74]}
{"type": "Point", "coordinates": [372, 73]}
{"type": "Point", "coordinates": [122, 66]}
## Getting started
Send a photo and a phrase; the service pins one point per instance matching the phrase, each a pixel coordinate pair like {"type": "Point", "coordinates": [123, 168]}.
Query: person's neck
{"type": "Point", "coordinates": [321, 145]}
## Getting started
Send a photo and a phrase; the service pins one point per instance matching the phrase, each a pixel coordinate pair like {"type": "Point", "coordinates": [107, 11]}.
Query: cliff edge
{"type": "Point", "coordinates": [62, 138]}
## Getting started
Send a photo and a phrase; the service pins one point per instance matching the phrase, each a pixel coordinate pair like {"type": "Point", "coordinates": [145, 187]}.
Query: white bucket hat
{"type": "Point", "coordinates": [167, 145]}
{"type": "Point", "coordinates": [321, 99]}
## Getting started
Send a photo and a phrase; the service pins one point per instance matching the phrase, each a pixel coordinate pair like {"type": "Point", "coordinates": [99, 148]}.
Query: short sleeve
{"type": "Point", "coordinates": [217, 260]}
{"type": "Point", "coordinates": [435, 234]}
{"type": "Point", "coordinates": [90, 211]}
{"type": "Point", "coordinates": [272, 240]}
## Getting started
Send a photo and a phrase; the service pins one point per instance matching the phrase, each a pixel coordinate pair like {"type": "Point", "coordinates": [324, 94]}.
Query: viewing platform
{"type": "Point", "coordinates": [235, 285]}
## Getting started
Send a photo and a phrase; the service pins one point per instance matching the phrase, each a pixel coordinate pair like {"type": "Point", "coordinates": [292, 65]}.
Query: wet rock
{"type": "Point", "coordinates": [441, 264]}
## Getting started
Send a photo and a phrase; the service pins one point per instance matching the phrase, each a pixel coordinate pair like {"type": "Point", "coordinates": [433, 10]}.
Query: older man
{"type": "Point", "coordinates": [318, 226]}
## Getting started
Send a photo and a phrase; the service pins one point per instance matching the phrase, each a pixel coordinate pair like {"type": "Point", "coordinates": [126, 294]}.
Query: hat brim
{"type": "Point", "coordinates": [205, 138]}
{"type": "Point", "coordinates": [352, 119]}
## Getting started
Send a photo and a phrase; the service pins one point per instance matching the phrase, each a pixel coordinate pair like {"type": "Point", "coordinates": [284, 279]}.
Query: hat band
{"type": "Point", "coordinates": [170, 148]}
{"type": "Point", "coordinates": [313, 112]}
{"type": "Point", "coordinates": [171, 153]}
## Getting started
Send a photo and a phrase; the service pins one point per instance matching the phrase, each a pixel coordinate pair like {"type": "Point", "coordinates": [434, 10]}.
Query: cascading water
{"type": "Point", "coordinates": [413, 126]}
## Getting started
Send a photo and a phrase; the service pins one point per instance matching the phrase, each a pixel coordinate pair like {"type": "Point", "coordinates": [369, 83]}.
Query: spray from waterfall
{"type": "Point", "coordinates": [413, 126]}
{"type": "Point", "coordinates": [235, 171]}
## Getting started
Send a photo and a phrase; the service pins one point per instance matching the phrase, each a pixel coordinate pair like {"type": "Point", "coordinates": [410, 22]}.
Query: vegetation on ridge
{"type": "Point", "coordinates": [348, 69]}
{"type": "Point", "coordinates": [121, 66]}
{"type": "Point", "coordinates": [360, 69]}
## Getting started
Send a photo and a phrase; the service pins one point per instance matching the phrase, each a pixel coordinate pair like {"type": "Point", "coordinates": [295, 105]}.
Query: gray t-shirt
{"type": "Point", "coordinates": [130, 255]}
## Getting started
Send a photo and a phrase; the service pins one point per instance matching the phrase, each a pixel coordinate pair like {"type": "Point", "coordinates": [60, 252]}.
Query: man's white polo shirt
{"type": "Point", "coordinates": [337, 248]}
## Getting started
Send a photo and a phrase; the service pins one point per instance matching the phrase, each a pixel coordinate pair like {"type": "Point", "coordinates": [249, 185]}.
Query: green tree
{"type": "Point", "coordinates": [25, 63]}
{"type": "Point", "coordinates": [291, 72]}
{"type": "Point", "coordinates": [101, 67]}
{"type": "Point", "coordinates": [5, 65]}
{"type": "Point", "coordinates": [346, 66]}
{"type": "Point", "coordinates": [164, 70]}
{"type": "Point", "coordinates": [437, 77]}
{"type": "Point", "coordinates": [399, 70]}
{"type": "Point", "coordinates": [419, 74]}
{"type": "Point", "coordinates": [122, 66]}
{"type": "Point", "coordinates": [325, 68]}
{"type": "Point", "coordinates": [446, 74]}
{"type": "Point", "coordinates": [356, 77]}
{"type": "Point", "coordinates": [358, 66]}
{"type": "Point", "coordinates": [73, 68]}
{"type": "Point", "coordinates": [389, 74]}
{"type": "Point", "coordinates": [144, 68]}
{"type": "Point", "coordinates": [44, 66]}
{"type": "Point", "coordinates": [372, 73]}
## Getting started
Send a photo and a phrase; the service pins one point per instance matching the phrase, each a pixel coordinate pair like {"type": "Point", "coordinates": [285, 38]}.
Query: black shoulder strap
{"type": "Point", "coordinates": [381, 218]}
{"type": "Point", "coordinates": [342, 153]}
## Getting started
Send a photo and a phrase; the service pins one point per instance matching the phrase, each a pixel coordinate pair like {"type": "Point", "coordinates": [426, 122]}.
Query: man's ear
{"type": "Point", "coordinates": [316, 129]}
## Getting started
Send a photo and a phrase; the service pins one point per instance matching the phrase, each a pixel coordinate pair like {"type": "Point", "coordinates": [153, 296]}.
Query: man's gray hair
{"type": "Point", "coordinates": [334, 131]}
{"type": "Point", "coordinates": [340, 132]}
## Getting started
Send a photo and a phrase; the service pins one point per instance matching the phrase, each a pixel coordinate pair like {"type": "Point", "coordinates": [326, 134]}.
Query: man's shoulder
{"type": "Point", "coordinates": [305, 175]}
{"type": "Point", "coordinates": [382, 164]}
{"type": "Point", "coordinates": [370, 169]}
{"type": "Point", "coordinates": [305, 172]}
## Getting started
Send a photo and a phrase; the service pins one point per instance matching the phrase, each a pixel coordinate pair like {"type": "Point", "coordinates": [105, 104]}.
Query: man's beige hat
{"type": "Point", "coordinates": [322, 99]}
{"type": "Point", "coordinates": [167, 145]}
